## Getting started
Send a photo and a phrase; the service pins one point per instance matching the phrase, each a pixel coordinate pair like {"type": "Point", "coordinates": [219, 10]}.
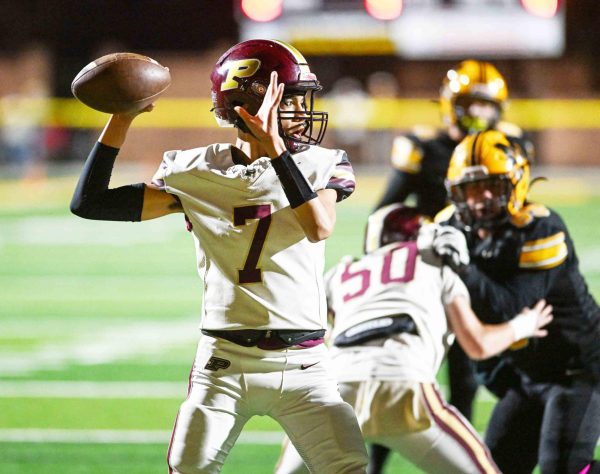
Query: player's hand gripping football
{"type": "Point", "coordinates": [450, 244]}
{"type": "Point", "coordinates": [529, 322]}
{"type": "Point", "coordinates": [264, 126]}
{"type": "Point", "coordinates": [132, 115]}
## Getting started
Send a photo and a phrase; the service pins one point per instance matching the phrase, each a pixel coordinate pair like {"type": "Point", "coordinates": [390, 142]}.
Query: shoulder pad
{"type": "Point", "coordinates": [530, 212]}
{"type": "Point", "coordinates": [445, 214]}
{"type": "Point", "coordinates": [406, 155]}
{"type": "Point", "coordinates": [165, 168]}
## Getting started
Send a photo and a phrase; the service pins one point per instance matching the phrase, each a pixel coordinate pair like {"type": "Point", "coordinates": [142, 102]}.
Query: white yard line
{"type": "Point", "coordinates": [101, 390]}
{"type": "Point", "coordinates": [102, 346]}
{"type": "Point", "coordinates": [73, 389]}
{"type": "Point", "coordinates": [69, 230]}
{"type": "Point", "coordinates": [33, 435]}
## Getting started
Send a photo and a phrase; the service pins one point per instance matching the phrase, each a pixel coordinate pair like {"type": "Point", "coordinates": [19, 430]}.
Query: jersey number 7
{"type": "Point", "coordinates": [251, 273]}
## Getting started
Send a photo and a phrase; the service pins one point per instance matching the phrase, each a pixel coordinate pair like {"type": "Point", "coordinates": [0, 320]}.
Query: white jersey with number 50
{"type": "Point", "coordinates": [259, 270]}
{"type": "Point", "coordinates": [395, 280]}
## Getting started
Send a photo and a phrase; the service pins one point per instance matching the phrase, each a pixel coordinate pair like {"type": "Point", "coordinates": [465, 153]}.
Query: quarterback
{"type": "Point", "coordinates": [259, 212]}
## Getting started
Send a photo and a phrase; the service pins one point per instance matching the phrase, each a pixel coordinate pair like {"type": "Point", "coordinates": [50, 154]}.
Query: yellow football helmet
{"type": "Point", "coordinates": [488, 164]}
{"type": "Point", "coordinates": [472, 81]}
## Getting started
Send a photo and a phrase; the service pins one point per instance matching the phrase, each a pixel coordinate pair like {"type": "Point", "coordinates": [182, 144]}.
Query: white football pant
{"type": "Point", "coordinates": [414, 420]}
{"type": "Point", "coordinates": [229, 384]}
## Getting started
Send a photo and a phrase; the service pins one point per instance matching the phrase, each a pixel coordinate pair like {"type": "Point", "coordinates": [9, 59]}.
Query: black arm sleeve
{"type": "Point", "coordinates": [295, 185]}
{"type": "Point", "coordinates": [399, 186]}
{"type": "Point", "coordinates": [93, 200]}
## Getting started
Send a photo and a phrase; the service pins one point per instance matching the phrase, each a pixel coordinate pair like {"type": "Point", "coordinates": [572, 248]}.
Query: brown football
{"type": "Point", "coordinates": [120, 83]}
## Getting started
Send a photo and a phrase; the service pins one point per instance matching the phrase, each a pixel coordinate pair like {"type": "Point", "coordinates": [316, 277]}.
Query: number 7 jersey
{"type": "Point", "coordinates": [258, 268]}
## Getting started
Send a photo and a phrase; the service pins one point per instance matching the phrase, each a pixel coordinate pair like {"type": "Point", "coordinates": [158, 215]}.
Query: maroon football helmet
{"type": "Point", "coordinates": [242, 75]}
{"type": "Point", "coordinates": [392, 223]}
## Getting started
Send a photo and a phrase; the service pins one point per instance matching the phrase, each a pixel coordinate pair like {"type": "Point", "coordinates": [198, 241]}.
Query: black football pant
{"type": "Point", "coordinates": [463, 385]}
{"type": "Point", "coordinates": [554, 425]}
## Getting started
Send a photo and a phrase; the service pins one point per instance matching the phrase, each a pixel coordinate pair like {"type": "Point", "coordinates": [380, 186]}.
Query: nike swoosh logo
{"type": "Point", "coordinates": [304, 366]}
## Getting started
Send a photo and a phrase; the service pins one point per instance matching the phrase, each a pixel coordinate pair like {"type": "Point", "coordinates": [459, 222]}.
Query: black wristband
{"type": "Point", "coordinates": [93, 200]}
{"type": "Point", "coordinates": [294, 183]}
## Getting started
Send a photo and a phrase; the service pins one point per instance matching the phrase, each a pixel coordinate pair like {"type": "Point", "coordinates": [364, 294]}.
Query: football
{"type": "Point", "coordinates": [121, 83]}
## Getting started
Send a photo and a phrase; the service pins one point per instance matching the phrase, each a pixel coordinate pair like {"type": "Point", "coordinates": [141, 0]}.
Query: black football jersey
{"type": "Point", "coordinates": [526, 260]}
{"type": "Point", "coordinates": [420, 165]}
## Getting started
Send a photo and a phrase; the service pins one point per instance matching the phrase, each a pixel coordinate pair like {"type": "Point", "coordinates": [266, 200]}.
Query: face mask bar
{"type": "Point", "coordinates": [494, 211]}
{"type": "Point", "coordinates": [472, 122]}
{"type": "Point", "coordinates": [315, 123]}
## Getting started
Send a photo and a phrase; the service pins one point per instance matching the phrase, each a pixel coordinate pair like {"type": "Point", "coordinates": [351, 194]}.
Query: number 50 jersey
{"type": "Point", "coordinates": [395, 279]}
{"type": "Point", "coordinates": [259, 270]}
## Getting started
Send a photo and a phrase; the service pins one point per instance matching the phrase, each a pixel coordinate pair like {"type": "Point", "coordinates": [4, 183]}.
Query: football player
{"type": "Point", "coordinates": [549, 389]}
{"type": "Point", "coordinates": [395, 312]}
{"type": "Point", "coordinates": [259, 212]}
{"type": "Point", "coordinates": [472, 99]}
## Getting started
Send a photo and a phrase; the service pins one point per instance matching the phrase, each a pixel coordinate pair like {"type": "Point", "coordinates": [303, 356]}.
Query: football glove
{"type": "Point", "coordinates": [451, 246]}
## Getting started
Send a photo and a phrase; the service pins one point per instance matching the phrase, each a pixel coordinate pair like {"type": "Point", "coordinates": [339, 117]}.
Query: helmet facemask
{"type": "Point", "coordinates": [314, 122]}
{"type": "Point", "coordinates": [474, 114]}
{"type": "Point", "coordinates": [482, 202]}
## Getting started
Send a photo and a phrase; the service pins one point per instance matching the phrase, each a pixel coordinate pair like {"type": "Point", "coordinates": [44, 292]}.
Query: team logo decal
{"type": "Point", "coordinates": [239, 69]}
{"type": "Point", "coordinates": [216, 363]}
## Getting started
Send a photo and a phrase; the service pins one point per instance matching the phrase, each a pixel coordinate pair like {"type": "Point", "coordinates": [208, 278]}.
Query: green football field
{"type": "Point", "coordinates": [98, 327]}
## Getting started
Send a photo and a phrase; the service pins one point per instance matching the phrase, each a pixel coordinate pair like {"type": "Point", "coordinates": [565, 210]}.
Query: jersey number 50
{"type": "Point", "coordinates": [400, 260]}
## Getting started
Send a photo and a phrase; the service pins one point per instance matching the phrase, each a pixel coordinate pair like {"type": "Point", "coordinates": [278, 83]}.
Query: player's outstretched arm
{"type": "Point", "coordinates": [481, 341]}
{"type": "Point", "coordinates": [93, 199]}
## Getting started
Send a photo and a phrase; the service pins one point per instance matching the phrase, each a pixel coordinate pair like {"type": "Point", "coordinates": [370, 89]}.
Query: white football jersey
{"type": "Point", "coordinates": [392, 280]}
{"type": "Point", "coordinates": [259, 270]}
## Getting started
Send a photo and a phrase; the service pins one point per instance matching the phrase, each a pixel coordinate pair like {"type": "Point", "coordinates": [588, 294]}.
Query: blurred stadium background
{"type": "Point", "coordinates": [97, 320]}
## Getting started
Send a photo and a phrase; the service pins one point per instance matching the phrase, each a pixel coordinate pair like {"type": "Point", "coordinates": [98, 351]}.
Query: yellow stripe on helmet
{"type": "Point", "coordinates": [297, 54]}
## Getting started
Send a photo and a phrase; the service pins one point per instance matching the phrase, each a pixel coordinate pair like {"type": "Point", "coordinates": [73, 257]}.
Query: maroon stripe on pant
{"type": "Point", "coordinates": [177, 417]}
{"type": "Point", "coordinates": [442, 412]}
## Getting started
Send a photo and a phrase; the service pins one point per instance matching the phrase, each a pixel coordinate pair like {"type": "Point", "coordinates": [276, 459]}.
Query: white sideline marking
{"type": "Point", "coordinates": [101, 346]}
{"type": "Point", "coordinates": [69, 230]}
{"type": "Point", "coordinates": [75, 389]}
{"type": "Point", "coordinates": [34, 435]}
{"type": "Point", "coordinates": [72, 389]}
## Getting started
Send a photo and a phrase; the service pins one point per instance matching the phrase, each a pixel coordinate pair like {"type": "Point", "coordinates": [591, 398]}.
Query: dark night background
{"type": "Point", "coordinates": [74, 30]}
